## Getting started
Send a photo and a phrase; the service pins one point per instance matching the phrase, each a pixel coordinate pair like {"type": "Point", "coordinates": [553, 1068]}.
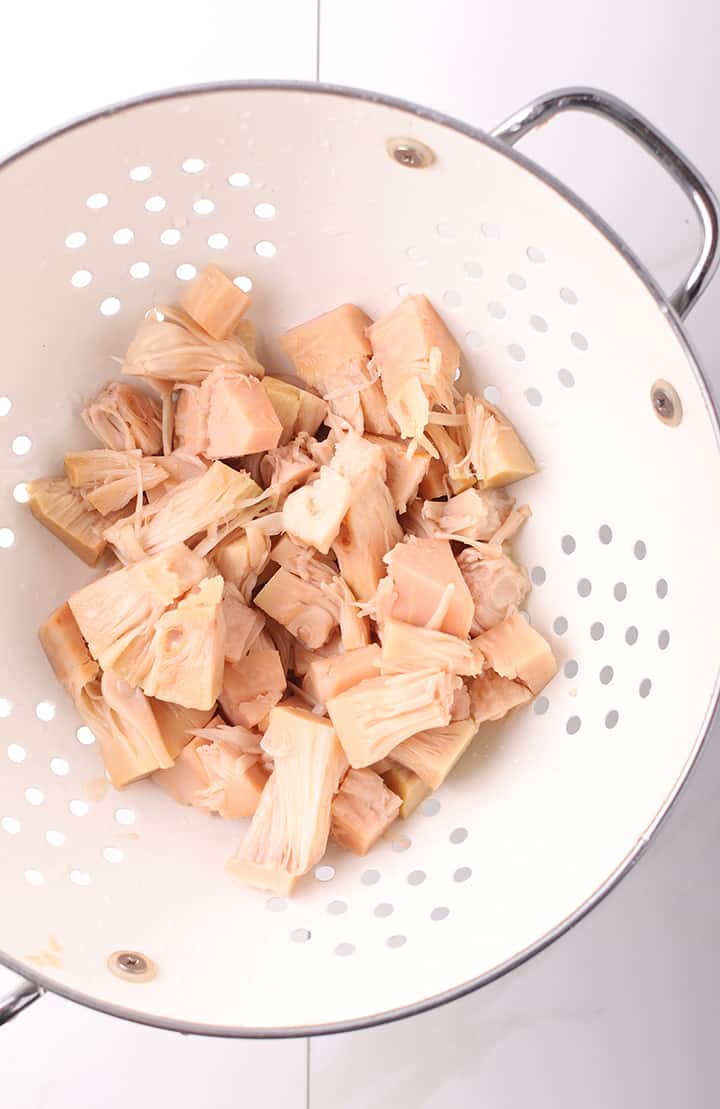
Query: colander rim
{"type": "Point", "coordinates": [711, 715]}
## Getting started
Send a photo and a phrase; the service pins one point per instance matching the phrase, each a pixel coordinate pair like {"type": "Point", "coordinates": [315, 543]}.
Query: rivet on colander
{"type": "Point", "coordinates": [410, 153]}
{"type": "Point", "coordinates": [666, 403]}
{"type": "Point", "coordinates": [132, 966]}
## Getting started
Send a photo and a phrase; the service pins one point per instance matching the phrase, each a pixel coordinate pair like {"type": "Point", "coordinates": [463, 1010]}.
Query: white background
{"type": "Point", "coordinates": [622, 1011]}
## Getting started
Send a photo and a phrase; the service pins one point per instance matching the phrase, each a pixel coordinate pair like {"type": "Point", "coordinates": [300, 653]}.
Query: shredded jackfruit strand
{"type": "Point", "coordinates": [447, 419]}
{"type": "Point", "coordinates": [442, 608]}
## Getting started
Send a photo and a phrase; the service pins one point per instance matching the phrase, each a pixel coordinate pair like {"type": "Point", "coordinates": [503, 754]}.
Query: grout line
{"type": "Point", "coordinates": [307, 1041]}
{"type": "Point", "coordinates": [317, 44]}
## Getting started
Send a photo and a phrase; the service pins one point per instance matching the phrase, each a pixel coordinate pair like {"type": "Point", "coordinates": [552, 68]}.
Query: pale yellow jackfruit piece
{"type": "Point", "coordinates": [309, 611]}
{"type": "Point", "coordinates": [215, 302]}
{"type": "Point", "coordinates": [235, 781]}
{"type": "Point", "coordinates": [242, 557]}
{"type": "Point", "coordinates": [243, 623]}
{"type": "Point", "coordinates": [188, 649]}
{"type": "Point", "coordinates": [354, 626]}
{"type": "Point", "coordinates": [180, 466]}
{"type": "Point", "coordinates": [124, 418]}
{"type": "Point", "coordinates": [67, 651]}
{"type": "Point", "coordinates": [314, 513]}
{"type": "Point", "coordinates": [251, 687]}
{"type": "Point", "coordinates": [376, 714]}
{"type": "Point", "coordinates": [362, 810]}
{"type": "Point", "coordinates": [417, 357]}
{"type": "Point", "coordinates": [65, 512]}
{"type": "Point", "coordinates": [136, 747]}
{"type": "Point", "coordinates": [286, 467]}
{"type": "Point", "coordinates": [407, 786]}
{"type": "Point", "coordinates": [426, 587]}
{"type": "Point", "coordinates": [492, 697]}
{"type": "Point", "coordinates": [473, 514]}
{"type": "Point", "coordinates": [515, 650]}
{"type": "Point", "coordinates": [110, 479]}
{"type": "Point", "coordinates": [170, 347]}
{"type": "Point", "coordinates": [194, 510]}
{"type": "Point", "coordinates": [119, 613]}
{"type": "Point", "coordinates": [498, 587]}
{"type": "Point", "coordinates": [327, 342]}
{"type": "Point", "coordinates": [289, 831]}
{"type": "Point", "coordinates": [369, 529]}
{"type": "Point", "coordinates": [184, 780]}
{"type": "Point", "coordinates": [327, 677]}
{"type": "Point", "coordinates": [177, 724]}
{"type": "Point", "coordinates": [494, 450]}
{"type": "Point", "coordinates": [297, 409]}
{"type": "Point", "coordinates": [331, 354]}
{"type": "Point", "coordinates": [433, 754]}
{"type": "Point", "coordinates": [405, 470]}
{"type": "Point", "coordinates": [406, 647]}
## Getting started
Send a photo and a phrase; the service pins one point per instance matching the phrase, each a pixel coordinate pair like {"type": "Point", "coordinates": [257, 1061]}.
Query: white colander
{"type": "Point", "coordinates": [320, 195]}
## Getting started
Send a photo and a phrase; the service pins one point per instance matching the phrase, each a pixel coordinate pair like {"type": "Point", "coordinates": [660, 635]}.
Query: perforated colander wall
{"type": "Point", "coordinates": [295, 196]}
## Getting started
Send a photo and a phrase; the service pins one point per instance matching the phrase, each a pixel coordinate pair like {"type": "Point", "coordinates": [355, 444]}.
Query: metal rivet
{"type": "Point", "coordinates": [666, 403]}
{"type": "Point", "coordinates": [132, 966]}
{"type": "Point", "coordinates": [410, 153]}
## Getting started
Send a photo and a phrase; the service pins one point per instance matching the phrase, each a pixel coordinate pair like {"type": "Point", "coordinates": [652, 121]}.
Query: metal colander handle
{"type": "Point", "coordinates": [18, 999]}
{"type": "Point", "coordinates": [689, 179]}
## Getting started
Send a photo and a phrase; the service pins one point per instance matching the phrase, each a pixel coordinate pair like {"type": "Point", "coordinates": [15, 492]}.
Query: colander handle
{"type": "Point", "coordinates": [665, 152]}
{"type": "Point", "coordinates": [18, 999]}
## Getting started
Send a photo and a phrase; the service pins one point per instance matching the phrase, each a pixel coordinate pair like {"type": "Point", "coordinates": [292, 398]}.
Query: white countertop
{"type": "Point", "coordinates": [622, 1010]}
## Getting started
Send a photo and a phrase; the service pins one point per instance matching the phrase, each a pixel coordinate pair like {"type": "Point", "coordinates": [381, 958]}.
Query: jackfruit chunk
{"type": "Point", "coordinates": [65, 512]}
{"type": "Point", "coordinates": [215, 302]}
{"type": "Point", "coordinates": [314, 513]}
{"type": "Point", "coordinates": [433, 754]}
{"type": "Point", "coordinates": [242, 557]}
{"type": "Point", "coordinates": [252, 686]}
{"type": "Point", "coordinates": [135, 747]}
{"type": "Point", "coordinates": [227, 416]}
{"type": "Point", "coordinates": [516, 651]}
{"type": "Point", "coordinates": [289, 831]}
{"type": "Point", "coordinates": [404, 471]}
{"type": "Point", "coordinates": [407, 786]}
{"type": "Point", "coordinates": [124, 418]}
{"type": "Point", "coordinates": [216, 776]}
{"type": "Point", "coordinates": [188, 649]}
{"type": "Point", "coordinates": [427, 586]}
{"type": "Point", "coordinates": [331, 354]}
{"type": "Point", "coordinates": [110, 479]}
{"type": "Point", "coordinates": [492, 697]}
{"type": "Point", "coordinates": [177, 723]}
{"type": "Point", "coordinates": [453, 464]}
{"type": "Point", "coordinates": [131, 629]}
{"type": "Point", "coordinates": [362, 810]}
{"type": "Point", "coordinates": [473, 514]}
{"type": "Point", "coordinates": [67, 651]}
{"type": "Point", "coordinates": [297, 409]}
{"type": "Point", "coordinates": [406, 647]}
{"type": "Point", "coordinates": [327, 677]}
{"type": "Point", "coordinates": [498, 587]}
{"type": "Point", "coordinates": [222, 498]}
{"type": "Point", "coordinates": [494, 450]}
{"type": "Point", "coordinates": [417, 357]}
{"type": "Point", "coordinates": [310, 612]}
{"type": "Point", "coordinates": [286, 467]}
{"type": "Point", "coordinates": [370, 528]}
{"type": "Point", "coordinates": [374, 716]}
{"type": "Point", "coordinates": [170, 347]}
{"type": "Point", "coordinates": [327, 342]}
